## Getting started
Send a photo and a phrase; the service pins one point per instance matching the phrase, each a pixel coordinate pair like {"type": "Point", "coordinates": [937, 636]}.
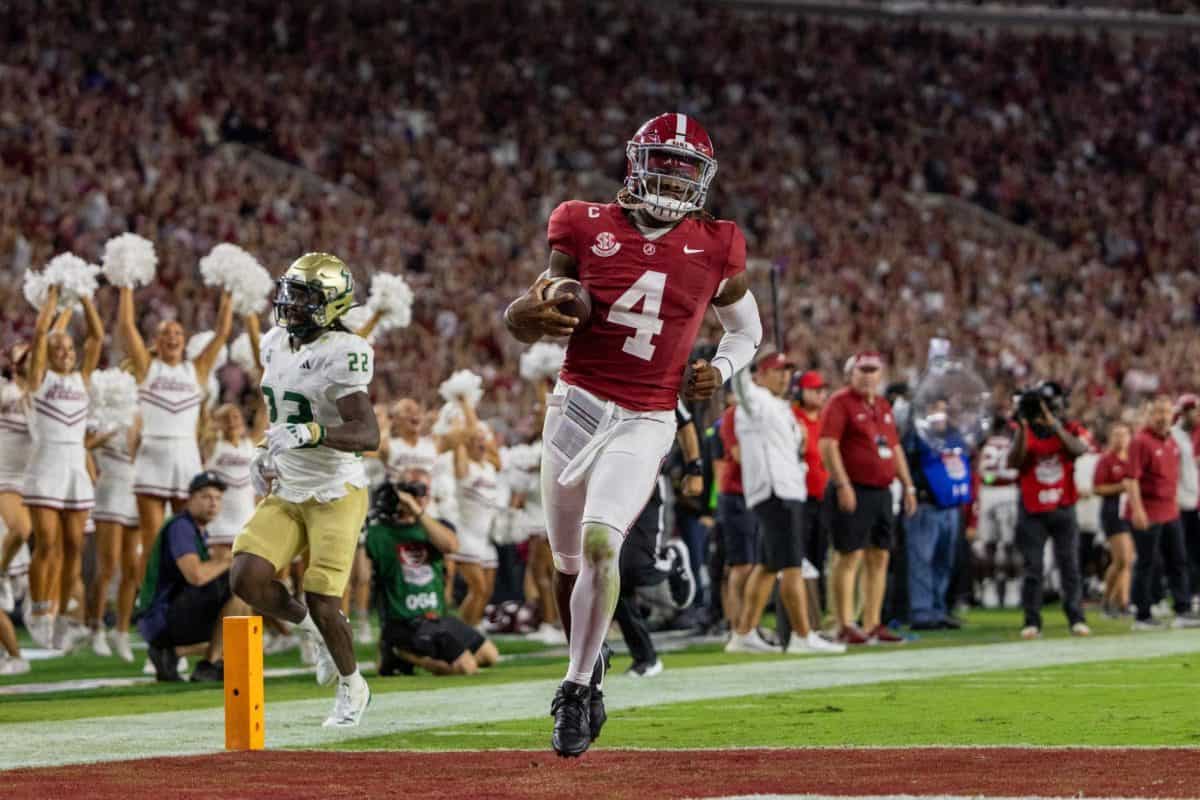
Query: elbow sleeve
{"type": "Point", "coordinates": [743, 333]}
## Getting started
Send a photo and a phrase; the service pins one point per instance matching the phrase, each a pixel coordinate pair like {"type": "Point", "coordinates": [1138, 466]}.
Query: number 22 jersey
{"type": "Point", "coordinates": [304, 385]}
{"type": "Point", "coordinates": [648, 298]}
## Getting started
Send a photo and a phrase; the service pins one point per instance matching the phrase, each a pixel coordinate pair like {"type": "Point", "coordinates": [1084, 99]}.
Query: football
{"type": "Point", "coordinates": [578, 306]}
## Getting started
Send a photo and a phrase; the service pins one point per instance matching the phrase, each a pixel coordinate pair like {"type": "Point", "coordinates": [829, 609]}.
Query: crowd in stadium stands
{"type": "Point", "coordinates": [1036, 197]}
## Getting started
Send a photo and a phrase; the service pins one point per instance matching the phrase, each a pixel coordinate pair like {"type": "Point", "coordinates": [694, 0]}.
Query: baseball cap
{"type": "Point", "coordinates": [867, 359]}
{"type": "Point", "coordinates": [812, 380]}
{"type": "Point", "coordinates": [204, 480]}
{"type": "Point", "coordinates": [1186, 401]}
{"type": "Point", "coordinates": [775, 360]}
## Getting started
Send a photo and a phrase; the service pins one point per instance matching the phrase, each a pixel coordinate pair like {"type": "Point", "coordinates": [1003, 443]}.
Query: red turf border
{"type": "Point", "coordinates": [634, 774]}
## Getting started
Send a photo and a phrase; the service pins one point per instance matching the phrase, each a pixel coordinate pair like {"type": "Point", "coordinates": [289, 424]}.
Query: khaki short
{"type": "Point", "coordinates": [280, 531]}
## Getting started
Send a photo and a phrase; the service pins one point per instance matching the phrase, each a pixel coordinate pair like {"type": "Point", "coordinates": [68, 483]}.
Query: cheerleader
{"type": "Point", "coordinates": [228, 454]}
{"type": "Point", "coordinates": [171, 391]}
{"type": "Point", "coordinates": [57, 487]}
{"type": "Point", "coordinates": [15, 447]}
{"type": "Point", "coordinates": [476, 463]}
{"type": "Point", "coordinates": [116, 519]}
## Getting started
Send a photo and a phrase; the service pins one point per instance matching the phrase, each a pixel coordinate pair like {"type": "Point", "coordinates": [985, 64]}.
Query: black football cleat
{"type": "Point", "coordinates": [572, 720]}
{"type": "Point", "coordinates": [596, 707]}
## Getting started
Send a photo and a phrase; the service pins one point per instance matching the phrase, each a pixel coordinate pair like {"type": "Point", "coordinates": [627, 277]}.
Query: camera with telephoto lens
{"type": "Point", "coordinates": [1049, 393]}
{"type": "Point", "coordinates": [386, 507]}
{"type": "Point", "coordinates": [417, 490]}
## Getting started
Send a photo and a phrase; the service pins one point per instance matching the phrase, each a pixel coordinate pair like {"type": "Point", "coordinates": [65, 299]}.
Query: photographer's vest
{"type": "Point", "coordinates": [1048, 475]}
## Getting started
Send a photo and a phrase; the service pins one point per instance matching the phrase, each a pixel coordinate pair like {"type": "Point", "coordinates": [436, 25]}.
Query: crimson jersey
{"type": "Point", "coordinates": [648, 298]}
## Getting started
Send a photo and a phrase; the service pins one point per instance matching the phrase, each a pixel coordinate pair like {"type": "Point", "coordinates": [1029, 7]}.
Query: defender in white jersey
{"type": "Point", "coordinates": [58, 489]}
{"type": "Point", "coordinates": [170, 391]}
{"type": "Point", "coordinates": [116, 519]}
{"type": "Point", "coordinates": [315, 384]}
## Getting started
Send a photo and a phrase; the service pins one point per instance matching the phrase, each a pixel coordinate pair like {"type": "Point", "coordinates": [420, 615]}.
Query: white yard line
{"type": "Point", "coordinates": [297, 723]}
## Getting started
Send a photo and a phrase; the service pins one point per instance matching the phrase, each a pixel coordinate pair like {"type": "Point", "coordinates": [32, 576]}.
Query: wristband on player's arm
{"type": "Point", "coordinates": [694, 468]}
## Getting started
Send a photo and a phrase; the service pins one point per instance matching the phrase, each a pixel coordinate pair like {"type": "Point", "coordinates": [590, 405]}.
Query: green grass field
{"type": "Point", "coordinates": [1123, 701]}
{"type": "Point", "coordinates": [1149, 703]}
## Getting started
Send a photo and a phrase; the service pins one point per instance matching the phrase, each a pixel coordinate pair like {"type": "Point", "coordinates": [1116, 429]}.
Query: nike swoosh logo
{"type": "Point", "coordinates": [688, 251]}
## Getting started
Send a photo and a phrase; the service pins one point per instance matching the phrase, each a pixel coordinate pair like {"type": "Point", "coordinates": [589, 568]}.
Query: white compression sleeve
{"type": "Point", "coordinates": [743, 333]}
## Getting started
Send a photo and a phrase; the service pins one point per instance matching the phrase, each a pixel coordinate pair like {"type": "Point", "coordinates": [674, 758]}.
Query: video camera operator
{"type": "Point", "coordinates": [1043, 453]}
{"type": "Point", "coordinates": [406, 547]}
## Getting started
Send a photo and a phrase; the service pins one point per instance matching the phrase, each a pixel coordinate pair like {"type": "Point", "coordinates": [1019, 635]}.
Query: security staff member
{"type": "Point", "coordinates": [1044, 453]}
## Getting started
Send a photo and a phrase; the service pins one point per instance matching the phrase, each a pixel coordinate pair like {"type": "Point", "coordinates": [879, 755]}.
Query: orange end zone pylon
{"type": "Point", "coordinates": [244, 701]}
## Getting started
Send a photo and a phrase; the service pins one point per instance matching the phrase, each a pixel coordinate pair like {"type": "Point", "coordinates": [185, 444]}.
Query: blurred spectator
{"type": "Point", "coordinates": [1153, 486]}
{"type": "Point", "coordinates": [1108, 482]}
{"type": "Point", "coordinates": [771, 445]}
{"type": "Point", "coordinates": [861, 449]}
{"type": "Point", "coordinates": [809, 398]}
{"type": "Point", "coordinates": [1185, 431]}
{"type": "Point", "coordinates": [939, 461]}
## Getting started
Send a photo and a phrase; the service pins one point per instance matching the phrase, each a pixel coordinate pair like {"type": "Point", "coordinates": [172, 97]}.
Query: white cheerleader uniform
{"type": "Point", "coordinates": [57, 476]}
{"type": "Point", "coordinates": [403, 456]}
{"type": "Point", "coordinates": [478, 505]}
{"type": "Point", "coordinates": [115, 501]}
{"type": "Point", "coordinates": [15, 442]}
{"type": "Point", "coordinates": [231, 463]}
{"type": "Point", "coordinates": [169, 456]}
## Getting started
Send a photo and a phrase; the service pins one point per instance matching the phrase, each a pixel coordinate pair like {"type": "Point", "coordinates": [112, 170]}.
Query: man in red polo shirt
{"type": "Point", "coordinates": [810, 392]}
{"type": "Point", "coordinates": [861, 449]}
{"type": "Point", "coordinates": [1152, 488]}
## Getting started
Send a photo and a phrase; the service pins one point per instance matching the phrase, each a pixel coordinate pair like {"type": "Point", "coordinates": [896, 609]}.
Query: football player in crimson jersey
{"type": "Point", "coordinates": [652, 261]}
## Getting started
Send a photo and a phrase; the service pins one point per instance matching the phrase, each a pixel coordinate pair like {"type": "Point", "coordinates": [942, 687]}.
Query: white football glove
{"type": "Point", "coordinates": [291, 436]}
{"type": "Point", "coordinates": [262, 472]}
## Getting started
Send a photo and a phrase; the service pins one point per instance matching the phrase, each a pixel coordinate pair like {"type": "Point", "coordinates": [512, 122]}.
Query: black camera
{"type": "Point", "coordinates": [385, 503]}
{"type": "Point", "coordinates": [1048, 393]}
{"type": "Point", "coordinates": [417, 490]}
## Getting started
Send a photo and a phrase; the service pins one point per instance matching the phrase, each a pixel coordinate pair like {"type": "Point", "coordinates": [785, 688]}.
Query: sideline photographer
{"type": "Point", "coordinates": [1044, 454]}
{"type": "Point", "coordinates": [406, 547]}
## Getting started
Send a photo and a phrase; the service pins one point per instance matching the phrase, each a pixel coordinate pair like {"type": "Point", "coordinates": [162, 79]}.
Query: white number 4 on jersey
{"type": "Point", "coordinates": [650, 288]}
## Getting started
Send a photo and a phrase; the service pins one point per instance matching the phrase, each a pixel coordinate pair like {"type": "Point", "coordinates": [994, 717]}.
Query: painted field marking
{"type": "Point", "coordinates": [297, 723]}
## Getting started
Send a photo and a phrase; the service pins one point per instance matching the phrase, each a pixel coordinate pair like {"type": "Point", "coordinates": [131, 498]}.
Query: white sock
{"type": "Point", "coordinates": [353, 677]}
{"type": "Point", "coordinates": [594, 599]}
{"type": "Point", "coordinates": [307, 625]}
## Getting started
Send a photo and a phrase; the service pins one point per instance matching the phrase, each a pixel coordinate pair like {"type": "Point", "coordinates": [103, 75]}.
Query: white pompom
{"type": "Point", "coordinates": [239, 273]}
{"type": "Point", "coordinates": [447, 419]}
{"type": "Point", "coordinates": [198, 342]}
{"type": "Point", "coordinates": [114, 395]}
{"type": "Point", "coordinates": [129, 260]}
{"type": "Point", "coordinates": [75, 277]}
{"type": "Point", "coordinates": [464, 384]}
{"type": "Point", "coordinates": [391, 295]}
{"type": "Point", "coordinates": [35, 287]}
{"type": "Point", "coordinates": [542, 361]}
{"type": "Point", "coordinates": [242, 354]}
{"type": "Point", "coordinates": [356, 318]}
{"type": "Point", "coordinates": [524, 457]}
